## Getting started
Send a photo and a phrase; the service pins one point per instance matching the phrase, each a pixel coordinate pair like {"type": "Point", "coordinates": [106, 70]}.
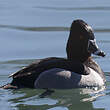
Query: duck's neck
{"type": "Point", "coordinates": [76, 51]}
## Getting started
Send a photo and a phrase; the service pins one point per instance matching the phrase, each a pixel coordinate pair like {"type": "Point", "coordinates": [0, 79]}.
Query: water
{"type": "Point", "coordinates": [33, 29]}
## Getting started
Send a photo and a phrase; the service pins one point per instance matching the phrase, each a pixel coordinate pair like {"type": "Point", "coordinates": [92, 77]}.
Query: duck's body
{"type": "Point", "coordinates": [77, 70]}
{"type": "Point", "coordinates": [60, 78]}
{"type": "Point", "coordinates": [63, 79]}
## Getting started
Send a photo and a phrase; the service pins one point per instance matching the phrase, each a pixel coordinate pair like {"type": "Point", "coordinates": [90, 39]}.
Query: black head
{"type": "Point", "coordinates": [81, 43]}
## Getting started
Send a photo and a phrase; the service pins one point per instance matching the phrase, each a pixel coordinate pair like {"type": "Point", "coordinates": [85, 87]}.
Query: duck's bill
{"type": "Point", "coordinates": [93, 48]}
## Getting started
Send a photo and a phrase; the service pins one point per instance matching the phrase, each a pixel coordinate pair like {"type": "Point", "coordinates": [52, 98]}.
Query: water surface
{"type": "Point", "coordinates": [33, 29]}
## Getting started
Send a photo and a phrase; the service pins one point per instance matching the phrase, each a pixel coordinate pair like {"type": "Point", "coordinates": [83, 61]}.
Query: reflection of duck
{"type": "Point", "coordinates": [78, 70]}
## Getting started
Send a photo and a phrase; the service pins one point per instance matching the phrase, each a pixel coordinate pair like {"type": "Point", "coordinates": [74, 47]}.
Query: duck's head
{"type": "Point", "coordinates": [82, 43]}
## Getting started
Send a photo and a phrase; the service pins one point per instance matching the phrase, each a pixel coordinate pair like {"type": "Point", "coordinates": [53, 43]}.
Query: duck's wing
{"type": "Point", "coordinates": [25, 70]}
{"type": "Point", "coordinates": [35, 66]}
{"type": "Point", "coordinates": [27, 76]}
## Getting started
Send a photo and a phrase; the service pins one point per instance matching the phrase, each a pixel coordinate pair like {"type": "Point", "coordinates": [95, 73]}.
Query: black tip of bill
{"type": "Point", "coordinates": [101, 54]}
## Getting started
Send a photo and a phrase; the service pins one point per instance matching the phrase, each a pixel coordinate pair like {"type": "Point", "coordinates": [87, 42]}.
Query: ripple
{"type": "Point", "coordinates": [103, 41]}
{"type": "Point", "coordinates": [102, 30]}
{"type": "Point", "coordinates": [24, 61]}
{"type": "Point", "coordinates": [74, 8]}
{"type": "Point", "coordinates": [44, 28]}
{"type": "Point", "coordinates": [23, 28]}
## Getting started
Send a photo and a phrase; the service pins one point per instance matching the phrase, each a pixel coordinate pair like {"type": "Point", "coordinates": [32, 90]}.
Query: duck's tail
{"type": "Point", "coordinates": [8, 86]}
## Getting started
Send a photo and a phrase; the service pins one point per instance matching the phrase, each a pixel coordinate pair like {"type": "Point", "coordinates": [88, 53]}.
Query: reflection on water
{"type": "Point", "coordinates": [103, 102]}
{"type": "Point", "coordinates": [65, 99]}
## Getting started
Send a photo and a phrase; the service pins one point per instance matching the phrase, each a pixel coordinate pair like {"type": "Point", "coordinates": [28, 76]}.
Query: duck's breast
{"type": "Point", "coordinates": [63, 79]}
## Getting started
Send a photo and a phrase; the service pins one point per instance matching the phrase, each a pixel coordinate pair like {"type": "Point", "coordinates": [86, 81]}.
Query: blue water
{"type": "Point", "coordinates": [33, 29]}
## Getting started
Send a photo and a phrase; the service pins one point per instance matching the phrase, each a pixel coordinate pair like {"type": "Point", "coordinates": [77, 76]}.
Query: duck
{"type": "Point", "coordinates": [77, 70]}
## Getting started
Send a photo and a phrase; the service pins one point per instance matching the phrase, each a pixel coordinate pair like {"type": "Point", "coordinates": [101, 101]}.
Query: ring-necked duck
{"type": "Point", "coordinates": [75, 71]}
